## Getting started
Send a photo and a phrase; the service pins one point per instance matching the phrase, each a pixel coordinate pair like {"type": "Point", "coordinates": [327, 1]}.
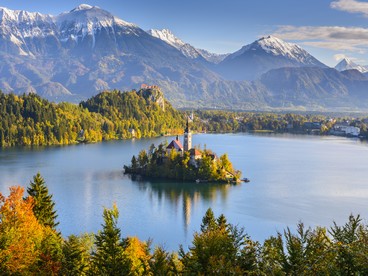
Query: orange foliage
{"type": "Point", "coordinates": [137, 254]}
{"type": "Point", "coordinates": [21, 234]}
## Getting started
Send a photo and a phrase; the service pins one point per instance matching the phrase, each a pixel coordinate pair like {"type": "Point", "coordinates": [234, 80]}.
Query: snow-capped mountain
{"type": "Point", "coordinates": [81, 52]}
{"type": "Point", "coordinates": [91, 50]}
{"type": "Point", "coordinates": [22, 32]}
{"type": "Point", "coordinates": [186, 49]}
{"type": "Point", "coordinates": [263, 55]}
{"type": "Point", "coordinates": [348, 64]}
{"type": "Point", "coordinates": [84, 23]}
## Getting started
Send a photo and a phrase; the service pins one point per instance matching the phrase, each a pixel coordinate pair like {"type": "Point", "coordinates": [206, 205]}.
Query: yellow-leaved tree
{"type": "Point", "coordinates": [22, 237]}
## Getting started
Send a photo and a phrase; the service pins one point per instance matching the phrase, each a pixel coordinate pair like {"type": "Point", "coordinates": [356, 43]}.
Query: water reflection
{"type": "Point", "coordinates": [184, 196]}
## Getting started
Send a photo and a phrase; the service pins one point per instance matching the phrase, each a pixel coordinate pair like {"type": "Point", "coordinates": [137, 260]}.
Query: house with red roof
{"type": "Point", "coordinates": [194, 156]}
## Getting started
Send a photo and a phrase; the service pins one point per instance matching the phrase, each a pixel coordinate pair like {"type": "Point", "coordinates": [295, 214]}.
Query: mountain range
{"type": "Point", "coordinates": [81, 52]}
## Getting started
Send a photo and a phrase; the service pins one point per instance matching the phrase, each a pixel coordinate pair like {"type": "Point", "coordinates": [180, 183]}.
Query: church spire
{"type": "Point", "coordinates": [187, 137]}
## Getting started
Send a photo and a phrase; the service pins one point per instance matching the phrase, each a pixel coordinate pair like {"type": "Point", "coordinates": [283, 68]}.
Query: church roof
{"type": "Point", "coordinates": [175, 144]}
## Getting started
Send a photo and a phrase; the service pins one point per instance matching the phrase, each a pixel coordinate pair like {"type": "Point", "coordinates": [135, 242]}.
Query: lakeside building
{"type": "Point", "coordinates": [345, 129]}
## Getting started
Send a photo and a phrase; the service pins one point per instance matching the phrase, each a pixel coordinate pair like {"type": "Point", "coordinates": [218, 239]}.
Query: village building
{"type": "Point", "coordinates": [132, 132]}
{"type": "Point", "coordinates": [345, 129]}
{"type": "Point", "coordinates": [194, 156]}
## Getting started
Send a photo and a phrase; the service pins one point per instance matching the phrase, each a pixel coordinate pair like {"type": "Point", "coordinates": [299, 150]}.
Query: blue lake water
{"type": "Point", "coordinates": [294, 178]}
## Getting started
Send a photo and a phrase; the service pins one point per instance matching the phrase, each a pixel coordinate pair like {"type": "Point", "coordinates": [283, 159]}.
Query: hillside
{"type": "Point", "coordinates": [29, 120]}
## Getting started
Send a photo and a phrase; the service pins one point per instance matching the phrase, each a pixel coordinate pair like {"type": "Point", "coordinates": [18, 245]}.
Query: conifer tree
{"type": "Point", "coordinates": [159, 263]}
{"type": "Point", "coordinates": [108, 259]}
{"type": "Point", "coordinates": [76, 256]}
{"type": "Point", "coordinates": [43, 203]}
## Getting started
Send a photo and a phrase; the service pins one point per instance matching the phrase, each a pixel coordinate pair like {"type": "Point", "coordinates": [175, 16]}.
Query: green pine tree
{"type": "Point", "coordinates": [76, 255]}
{"type": "Point", "coordinates": [108, 259]}
{"type": "Point", "coordinates": [44, 205]}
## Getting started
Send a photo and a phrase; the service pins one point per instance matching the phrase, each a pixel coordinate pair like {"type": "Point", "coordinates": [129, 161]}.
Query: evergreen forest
{"type": "Point", "coordinates": [30, 244]}
{"type": "Point", "coordinates": [29, 120]}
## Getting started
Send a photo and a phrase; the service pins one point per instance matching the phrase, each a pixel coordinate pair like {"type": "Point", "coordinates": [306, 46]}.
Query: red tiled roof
{"type": "Point", "coordinates": [175, 144]}
{"type": "Point", "coordinates": [195, 152]}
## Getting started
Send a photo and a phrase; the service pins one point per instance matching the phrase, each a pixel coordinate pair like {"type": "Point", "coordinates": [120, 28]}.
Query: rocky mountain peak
{"type": "Point", "coordinates": [347, 64]}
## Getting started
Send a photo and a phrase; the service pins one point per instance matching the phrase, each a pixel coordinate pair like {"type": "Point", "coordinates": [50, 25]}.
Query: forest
{"type": "Point", "coordinates": [29, 120]}
{"type": "Point", "coordinates": [30, 244]}
{"type": "Point", "coordinates": [229, 121]}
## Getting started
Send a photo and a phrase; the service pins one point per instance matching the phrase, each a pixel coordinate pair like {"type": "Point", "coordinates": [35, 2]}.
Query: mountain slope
{"type": "Point", "coordinates": [186, 49]}
{"type": "Point", "coordinates": [313, 87]}
{"type": "Point", "coordinates": [263, 55]}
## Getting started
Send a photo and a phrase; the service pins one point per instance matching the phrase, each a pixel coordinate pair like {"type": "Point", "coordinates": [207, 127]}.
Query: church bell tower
{"type": "Point", "coordinates": [187, 137]}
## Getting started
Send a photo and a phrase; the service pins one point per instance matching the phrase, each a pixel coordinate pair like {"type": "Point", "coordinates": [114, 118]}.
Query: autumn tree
{"type": "Point", "coordinates": [24, 241]}
{"type": "Point", "coordinates": [136, 256]}
{"type": "Point", "coordinates": [20, 233]}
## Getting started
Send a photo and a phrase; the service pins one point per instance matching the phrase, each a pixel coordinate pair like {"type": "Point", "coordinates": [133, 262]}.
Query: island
{"type": "Point", "coordinates": [183, 162]}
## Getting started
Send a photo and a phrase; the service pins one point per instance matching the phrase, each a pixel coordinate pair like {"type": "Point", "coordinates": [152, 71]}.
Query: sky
{"type": "Point", "coordinates": [328, 29]}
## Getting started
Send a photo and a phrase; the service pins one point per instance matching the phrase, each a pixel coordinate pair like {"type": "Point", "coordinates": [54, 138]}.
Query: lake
{"type": "Point", "coordinates": [313, 179]}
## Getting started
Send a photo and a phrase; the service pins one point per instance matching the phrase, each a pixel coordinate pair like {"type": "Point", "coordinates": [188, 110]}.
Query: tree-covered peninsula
{"type": "Point", "coordinates": [29, 120]}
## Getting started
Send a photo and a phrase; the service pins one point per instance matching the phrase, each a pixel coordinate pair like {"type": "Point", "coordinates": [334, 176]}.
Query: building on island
{"type": "Point", "coordinates": [194, 156]}
{"type": "Point", "coordinates": [175, 145]}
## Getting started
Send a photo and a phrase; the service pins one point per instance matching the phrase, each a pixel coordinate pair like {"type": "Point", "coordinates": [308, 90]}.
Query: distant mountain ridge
{"type": "Point", "coordinates": [77, 54]}
{"type": "Point", "coordinates": [348, 64]}
{"type": "Point", "coordinates": [252, 60]}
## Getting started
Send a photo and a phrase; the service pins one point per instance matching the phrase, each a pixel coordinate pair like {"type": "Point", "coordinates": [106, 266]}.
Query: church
{"type": "Point", "coordinates": [186, 146]}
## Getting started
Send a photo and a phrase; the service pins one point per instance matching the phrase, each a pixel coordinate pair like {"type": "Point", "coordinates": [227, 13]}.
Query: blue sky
{"type": "Point", "coordinates": [328, 29]}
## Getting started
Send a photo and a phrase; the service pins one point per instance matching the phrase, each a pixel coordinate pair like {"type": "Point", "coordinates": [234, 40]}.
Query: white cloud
{"type": "Point", "coordinates": [339, 57]}
{"type": "Point", "coordinates": [336, 38]}
{"type": "Point", "coordinates": [351, 6]}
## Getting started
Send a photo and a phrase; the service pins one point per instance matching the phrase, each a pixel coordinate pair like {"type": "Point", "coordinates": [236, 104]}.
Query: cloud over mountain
{"type": "Point", "coordinates": [354, 39]}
